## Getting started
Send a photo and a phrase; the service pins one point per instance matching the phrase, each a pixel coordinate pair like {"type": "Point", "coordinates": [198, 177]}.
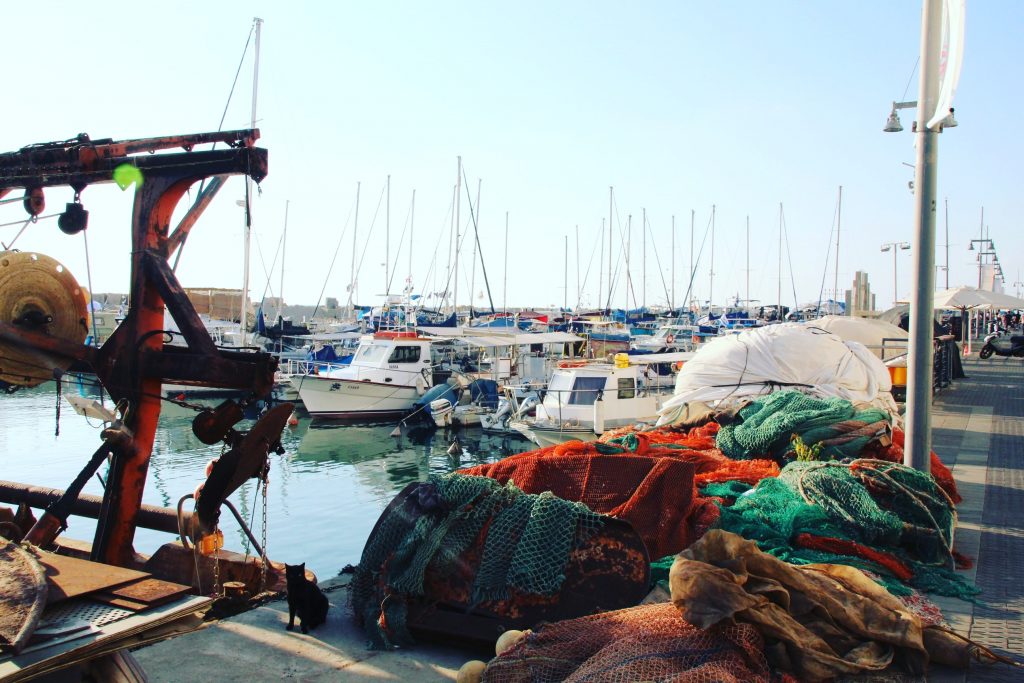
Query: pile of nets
{"type": "Point", "coordinates": [819, 621]}
{"type": "Point", "coordinates": [767, 425]}
{"type": "Point", "coordinates": [645, 643]}
{"type": "Point", "coordinates": [648, 479]}
{"type": "Point", "coordinates": [521, 543]}
{"type": "Point", "coordinates": [883, 517]}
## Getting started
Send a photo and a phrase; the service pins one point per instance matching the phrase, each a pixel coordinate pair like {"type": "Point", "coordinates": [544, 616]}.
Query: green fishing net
{"type": "Point", "coordinates": [769, 422]}
{"type": "Point", "coordinates": [882, 517]}
{"type": "Point", "coordinates": [525, 539]}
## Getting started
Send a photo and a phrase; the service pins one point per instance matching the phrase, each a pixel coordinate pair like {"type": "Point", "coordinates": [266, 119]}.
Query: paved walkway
{"type": "Point", "coordinates": [978, 430]}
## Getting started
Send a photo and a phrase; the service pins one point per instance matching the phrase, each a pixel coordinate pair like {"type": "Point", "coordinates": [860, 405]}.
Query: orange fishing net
{"type": "Point", "coordinates": [646, 643]}
{"type": "Point", "coordinates": [654, 495]}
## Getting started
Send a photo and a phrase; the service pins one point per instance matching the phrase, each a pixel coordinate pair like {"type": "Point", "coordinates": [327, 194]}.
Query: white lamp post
{"type": "Point", "coordinates": [895, 248]}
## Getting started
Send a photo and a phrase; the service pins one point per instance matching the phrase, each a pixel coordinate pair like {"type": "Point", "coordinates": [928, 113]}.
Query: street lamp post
{"type": "Point", "coordinates": [895, 248]}
{"type": "Point", "coordinates": [938, 79]}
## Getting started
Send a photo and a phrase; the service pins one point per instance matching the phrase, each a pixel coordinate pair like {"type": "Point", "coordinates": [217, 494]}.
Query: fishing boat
{"type": "Point", "coordinates": [387, 374]}
{"type": "Point", "coordinates": [583, 399]}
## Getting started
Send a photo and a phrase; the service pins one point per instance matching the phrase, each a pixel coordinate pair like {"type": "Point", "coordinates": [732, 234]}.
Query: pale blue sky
{"type": "Point", "coordinates": [678, 105]}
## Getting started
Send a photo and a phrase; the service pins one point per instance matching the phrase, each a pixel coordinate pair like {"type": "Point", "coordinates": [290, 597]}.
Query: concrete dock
{"type": "Point", "coordinates": [978, 430]}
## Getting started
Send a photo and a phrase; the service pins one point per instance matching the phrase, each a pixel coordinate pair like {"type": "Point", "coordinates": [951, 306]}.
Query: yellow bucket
{"type": "Point", "coordinates": [622, 360]}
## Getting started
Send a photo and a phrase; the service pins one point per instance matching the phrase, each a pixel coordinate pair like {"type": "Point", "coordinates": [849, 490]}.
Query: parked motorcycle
{"type": "Point", "coordinates": [1000, 345]}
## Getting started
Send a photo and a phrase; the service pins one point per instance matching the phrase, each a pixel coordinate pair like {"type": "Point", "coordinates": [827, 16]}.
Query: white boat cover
{"type": "Point", "coordinates": [883, 339]}
{"type": "Point", "coordinates": [777, 357]}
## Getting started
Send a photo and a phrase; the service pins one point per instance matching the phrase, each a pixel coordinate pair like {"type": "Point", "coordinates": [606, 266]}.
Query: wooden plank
{"type": "Point", "coordinates": [67, 577]}
{"type": "Point", "coordinates": [150, 591]}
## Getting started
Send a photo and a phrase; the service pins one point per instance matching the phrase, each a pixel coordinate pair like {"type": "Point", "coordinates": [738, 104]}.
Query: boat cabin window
{"type": "Point", "coordinates": [405, 354]}
{"type": "Point", "coordinates": [627, 387]}
{"type": "Point", "coordinates": [585, 391]}
{"type": "Point", "coordinates": [372, 354]}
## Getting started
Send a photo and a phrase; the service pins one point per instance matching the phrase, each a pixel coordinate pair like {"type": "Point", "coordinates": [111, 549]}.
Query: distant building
{"type": "Point", "coordinates": [860, 301]}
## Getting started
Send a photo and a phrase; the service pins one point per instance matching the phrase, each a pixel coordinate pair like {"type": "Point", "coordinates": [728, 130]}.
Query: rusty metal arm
{"type": "Point", "coordinates": [45, 343]}
{"type": "Point", "coordinates": [180, 234]}
{"type": "Point", "coordinates": [178, 304]}
{"type": "Point", "coordinates": [226, 369]}
{"type": "Point", "coordinates": [74, 173]}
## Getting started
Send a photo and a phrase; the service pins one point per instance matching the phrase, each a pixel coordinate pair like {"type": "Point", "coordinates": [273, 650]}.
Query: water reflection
{"type": "Point", "coordinates": [325, 493]}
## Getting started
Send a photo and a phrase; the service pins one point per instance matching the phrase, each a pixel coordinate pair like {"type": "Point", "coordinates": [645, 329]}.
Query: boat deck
{"type": "Point", "coordinates": [978, 430]}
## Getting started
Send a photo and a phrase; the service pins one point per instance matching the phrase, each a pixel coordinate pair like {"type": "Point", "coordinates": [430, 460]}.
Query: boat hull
{"type": "Point", "coordinates": [342, 398]}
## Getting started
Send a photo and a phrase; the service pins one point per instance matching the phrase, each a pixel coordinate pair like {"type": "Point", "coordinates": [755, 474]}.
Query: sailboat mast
{"type": "Point", "coordinates": [629, 245]}
{"type": "Point", "coordinates": [779, 293]}
{"type": "Point", "coordinates": [839, 225]}
{"type": "Point", "coordinates": [611, 191]}
{"type": "Point", "coordinates": [578, 293]}
{"type": "Point", "coordinates": [504, 284]}
{"type": "Point", "coordinates": [244, 314]}
{"type": "Point", "coordinates": [565, 277]}
{"type": "Point", "coordinates": [475, 217]}
{"type": "Point", "coordinates": [355, 232]}
{"type": "Point", "coordinates": [748, 261]}
{"type": "Point", "coordinates": [284, 244]}
{"type": "Point", "coordinates": [412, 227]}
{"type": "Point", "coordinates": [458, 227]}
{"type": "Point", "coordinates": [711, 272]}
{"type": "Point", "coordinates": [672, 303]}
{"type": "Point", "coordinates": [693, 217]}
{"type": "Point", "coordinates": [643, 297]}
{"type": "Point", "coordinates": [387, 240]}
{"type": "Point", "coordinates": [600, 269]}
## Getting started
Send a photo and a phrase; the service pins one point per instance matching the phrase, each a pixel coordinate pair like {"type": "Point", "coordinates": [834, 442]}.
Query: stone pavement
{"type": "Point", "coordinates": [978, 431]}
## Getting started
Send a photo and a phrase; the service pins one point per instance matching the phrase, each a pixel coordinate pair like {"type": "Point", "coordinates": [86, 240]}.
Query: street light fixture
{"type": "Point", "coordinates": [895, 247]}
{"type": "Point", "coordinates": [893, 125]}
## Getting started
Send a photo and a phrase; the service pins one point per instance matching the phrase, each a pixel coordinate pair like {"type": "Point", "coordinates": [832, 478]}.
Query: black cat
{"type": "Point", "coordinates": [305, 599]}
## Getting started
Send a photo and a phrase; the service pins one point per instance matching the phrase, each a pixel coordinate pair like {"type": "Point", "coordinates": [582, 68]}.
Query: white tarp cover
{"type": "Point", "coordinates": [877, 335]}
{"type": "Point", "coordinates": [779, 357]}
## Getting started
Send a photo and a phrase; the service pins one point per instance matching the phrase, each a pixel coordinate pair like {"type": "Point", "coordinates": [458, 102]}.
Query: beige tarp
{"type": "Point", "coordinates": [818, 621]}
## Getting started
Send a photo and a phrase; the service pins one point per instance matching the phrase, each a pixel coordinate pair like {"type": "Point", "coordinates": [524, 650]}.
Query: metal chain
{"type": "Point", "coordinates": [263, 537]}
{"type": "Point", "coordinates": [216, 563]}
{"type": "Point", "coordinates": [56, 426]}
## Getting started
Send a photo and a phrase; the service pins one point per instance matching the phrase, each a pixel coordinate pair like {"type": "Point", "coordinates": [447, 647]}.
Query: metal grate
{"type": "Point", "coordinates": [71, 611]}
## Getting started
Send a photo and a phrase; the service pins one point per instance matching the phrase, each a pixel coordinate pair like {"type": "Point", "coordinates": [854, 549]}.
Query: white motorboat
{"type": "Point", "coordinates": [584, 399]}
{"type": "Point", "coordinates": [389, 371]}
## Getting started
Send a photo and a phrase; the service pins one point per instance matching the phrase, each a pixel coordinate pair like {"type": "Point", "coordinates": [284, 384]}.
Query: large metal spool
{"type": "Point", "coordinates": [37, 294]}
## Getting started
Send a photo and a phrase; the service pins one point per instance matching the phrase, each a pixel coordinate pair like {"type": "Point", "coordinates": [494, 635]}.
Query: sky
{"type": "Point", "coordinates": [747, 107]}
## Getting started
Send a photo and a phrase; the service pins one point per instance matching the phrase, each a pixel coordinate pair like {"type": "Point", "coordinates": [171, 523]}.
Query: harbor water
{"type": "Point", "coordinates": [324, 496]}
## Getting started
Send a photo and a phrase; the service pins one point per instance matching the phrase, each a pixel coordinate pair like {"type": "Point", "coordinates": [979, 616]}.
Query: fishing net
{"type": "Point", "coordinates": [655, 495]}
{"type": "Point", "coordinates": [518, 544]}
{"type": "Point", "coordinates": [768, 424]}
{"type": "Point", "coordinates": [646, 643]}
{"type": "Point", "coordinates": [819, 622]}
{"type": "Point", "coordinates": [878, 516]}
{"type": "Point", "coordinates": [893, 452]}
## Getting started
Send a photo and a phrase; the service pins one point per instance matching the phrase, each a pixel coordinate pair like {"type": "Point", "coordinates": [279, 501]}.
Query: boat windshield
{"type": "Point", "coordinates": [585, 390]}
{"type": "Point", "coordinates": [371, 354]}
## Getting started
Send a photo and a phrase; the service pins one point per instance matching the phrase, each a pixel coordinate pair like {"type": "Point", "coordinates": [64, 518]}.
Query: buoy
{"type": "Point", "coordinates": [455, 448]}
{"type": "Point", "coordinates": [397, 431]}
{"type": "Point", "coordinates": [293, 421]}
{"type": "Point", "coordinates": [508, 640]}
{"type": "Point", "coordinates": [181, 396]}
{"type": "Point", "coordinates": [471, 672]}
